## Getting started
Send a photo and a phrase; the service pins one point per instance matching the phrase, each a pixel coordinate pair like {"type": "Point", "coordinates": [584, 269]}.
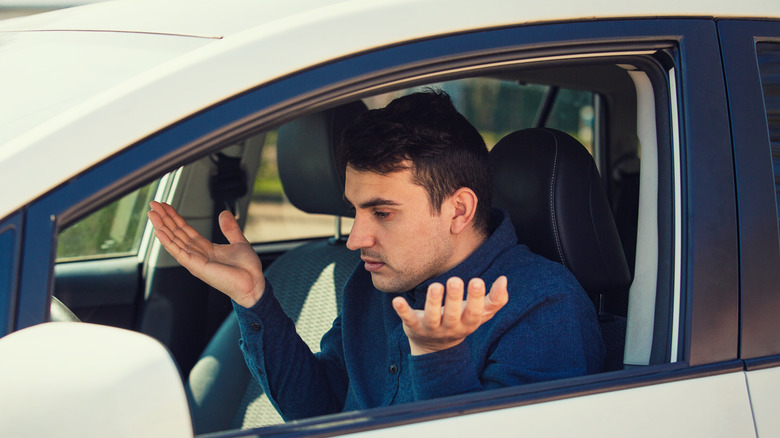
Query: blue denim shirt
{"type": "Point", "coordinates": [547, 330]}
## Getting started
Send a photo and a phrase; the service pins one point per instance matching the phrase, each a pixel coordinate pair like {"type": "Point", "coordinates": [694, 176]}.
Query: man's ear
{"type": "Point", "coordinates": [464, 206]}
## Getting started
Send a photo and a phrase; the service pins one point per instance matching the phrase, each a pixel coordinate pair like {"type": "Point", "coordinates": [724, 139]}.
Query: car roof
{"type": "Point", "coordinates": [87, 81]}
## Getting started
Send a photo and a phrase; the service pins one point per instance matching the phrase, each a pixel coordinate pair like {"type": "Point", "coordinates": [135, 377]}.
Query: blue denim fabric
{"type": "Point", "coordinates": [547, 330]}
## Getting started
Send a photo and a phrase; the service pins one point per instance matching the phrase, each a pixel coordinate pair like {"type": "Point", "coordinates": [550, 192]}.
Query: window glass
{"type": "Point", "coordinates": [272, 217]}
{"type": "Point", "coordinates": [769, 66]}
{"type": "Point", "coordinates": [9, 254]}
{"type": "Point", "coordinates": [572, 113]}
{"type": "Point", "coordinates": [114, 230]}
{"type": "Point", "coordinates": [495, 107]}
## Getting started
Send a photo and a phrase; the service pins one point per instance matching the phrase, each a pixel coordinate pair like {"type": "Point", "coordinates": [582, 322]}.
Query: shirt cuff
{"type": "Point", "coordinates": [262, 321]}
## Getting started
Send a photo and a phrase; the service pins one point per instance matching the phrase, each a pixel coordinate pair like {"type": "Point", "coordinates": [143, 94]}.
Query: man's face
{"type": "Point", "coordinates": [402, 241]}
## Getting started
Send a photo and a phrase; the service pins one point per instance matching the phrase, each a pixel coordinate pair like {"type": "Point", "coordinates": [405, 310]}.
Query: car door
{"type": "Point", "coordinates": [682, 343]}
{"type": "Point", "coordinates": [752, 65]}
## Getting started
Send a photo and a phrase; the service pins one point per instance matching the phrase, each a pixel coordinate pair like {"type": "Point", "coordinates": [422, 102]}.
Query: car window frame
{"type": "Point", "coordinates": [11, 234]}
{"type": "Point", "coordinates": [702, 296]}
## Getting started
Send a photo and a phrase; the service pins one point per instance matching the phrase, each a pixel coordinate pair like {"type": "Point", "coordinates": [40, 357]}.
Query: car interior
{"type": "Point", "coordinates": [581, 159]}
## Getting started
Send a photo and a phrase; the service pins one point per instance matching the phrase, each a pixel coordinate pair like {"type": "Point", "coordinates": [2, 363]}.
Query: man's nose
{"type": "Point", "coordinates": [359, 237]}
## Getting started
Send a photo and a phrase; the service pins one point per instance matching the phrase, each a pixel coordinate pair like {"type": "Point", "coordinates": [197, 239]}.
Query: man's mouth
{"type": "Point", "coordinates": [372, 264]}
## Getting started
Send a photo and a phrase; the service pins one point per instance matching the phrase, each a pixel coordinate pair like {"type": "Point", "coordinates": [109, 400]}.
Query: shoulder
{"type": "Point", "coordinates": [520, 262]}
{"type": "Point", "coordinates": [534, 280]}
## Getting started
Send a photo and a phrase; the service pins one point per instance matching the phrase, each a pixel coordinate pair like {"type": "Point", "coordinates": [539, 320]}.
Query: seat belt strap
{"type": "Point", "coordinates": [226, 186]}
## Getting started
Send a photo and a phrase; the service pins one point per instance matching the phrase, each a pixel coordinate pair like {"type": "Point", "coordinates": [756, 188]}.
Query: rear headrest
{"type": "Point", "coordinates": [306, 154]}
{"type": "Point", "coordinates": [550, 186]}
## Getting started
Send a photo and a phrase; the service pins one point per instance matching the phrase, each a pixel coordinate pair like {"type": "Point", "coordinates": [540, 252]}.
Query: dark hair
{"type": "Point", "coordinates": [446, 151]}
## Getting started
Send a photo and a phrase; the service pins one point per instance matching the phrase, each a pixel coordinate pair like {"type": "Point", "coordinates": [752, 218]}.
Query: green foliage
{"type": "Point", "coordinates": [267, 184]}
{"type": "Point", "coordinates": [114, 230]}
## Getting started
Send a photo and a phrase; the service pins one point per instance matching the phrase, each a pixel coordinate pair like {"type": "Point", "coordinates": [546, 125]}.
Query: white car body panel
{"type": "Point", "coordinates": [716, 406]}
{"type": "Point", "coordinates": [764, 387]}
{"type": "Point", "coordinates": [80, 136]}
{"type": "Point", "coordinates": [184, 56]}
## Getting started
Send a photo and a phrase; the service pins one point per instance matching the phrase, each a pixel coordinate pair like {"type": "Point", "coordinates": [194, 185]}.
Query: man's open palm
{"type": "Point", "coordinates": [443, 325]}
{"type": "Point", "coordinates": [233, 269]}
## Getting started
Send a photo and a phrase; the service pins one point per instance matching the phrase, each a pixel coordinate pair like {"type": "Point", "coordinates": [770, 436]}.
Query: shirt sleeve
{"type": "Point", "coordinates": [557, 337]}
{"type": "Point", "coordinates": [299, 383]}
{"type": "Point", "coordinates": [442, 373]}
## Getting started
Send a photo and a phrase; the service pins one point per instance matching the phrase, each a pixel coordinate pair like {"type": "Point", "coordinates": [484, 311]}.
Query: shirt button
{"type": "Point", "coordinates": [393, 368]}
{"type": "Point", "coordinates": [255, 326]}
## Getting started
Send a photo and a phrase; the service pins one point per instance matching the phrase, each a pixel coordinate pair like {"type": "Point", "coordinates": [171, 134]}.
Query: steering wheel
{"type": "Point", "coordinates": [60, 313]}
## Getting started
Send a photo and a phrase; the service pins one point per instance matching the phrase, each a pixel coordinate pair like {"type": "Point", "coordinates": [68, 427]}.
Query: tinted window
{"type": "Point", "coordinates": [769, 66]}
{"type": "Point", "coordinates": [8, 265]}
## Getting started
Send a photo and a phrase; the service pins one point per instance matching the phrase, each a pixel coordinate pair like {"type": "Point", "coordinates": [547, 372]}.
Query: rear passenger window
{"type": "Point", "coordinates": [573, 113]}
{"type": "Point", "coordinates": [769, 67]}
{"type": "Point", "coordinates": [497, 107]}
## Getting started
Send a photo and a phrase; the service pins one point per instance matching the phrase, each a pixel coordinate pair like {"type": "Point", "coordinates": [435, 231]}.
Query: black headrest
{"type": "Point", "coordinates": [306, 155]}
{"type": "Point", "coordinates": [550, 186]}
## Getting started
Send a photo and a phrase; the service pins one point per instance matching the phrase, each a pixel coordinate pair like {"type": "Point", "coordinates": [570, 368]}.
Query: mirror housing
{"type": "Point", "coordinates": [87, 380]}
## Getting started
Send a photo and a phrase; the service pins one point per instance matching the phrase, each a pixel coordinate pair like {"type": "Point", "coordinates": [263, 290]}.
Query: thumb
{"type": "Point", "coordinates": [230, 228]}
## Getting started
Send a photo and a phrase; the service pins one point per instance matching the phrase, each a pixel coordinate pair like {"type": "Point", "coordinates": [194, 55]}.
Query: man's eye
{"type": "Point", "coordinates": [381, 214]}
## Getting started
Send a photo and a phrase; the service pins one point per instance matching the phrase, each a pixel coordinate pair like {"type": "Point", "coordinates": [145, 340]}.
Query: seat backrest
{"type": "Point", "coordinates": [549, 184]}
{"type": "Point", "coordinates": [308, 280]}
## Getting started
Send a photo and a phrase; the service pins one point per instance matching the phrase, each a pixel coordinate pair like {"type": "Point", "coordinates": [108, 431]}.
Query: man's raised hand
{"type": "Point", "coordinates": [438, 327]}
{"type": "Point", "coordinates": [233, 269]}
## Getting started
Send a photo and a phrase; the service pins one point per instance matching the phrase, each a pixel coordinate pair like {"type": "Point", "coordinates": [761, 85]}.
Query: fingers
{"type": "Point", "coordinates": [475, 303]}
{"type": "Point", "coordinates": [432, 313]}
{"type": "Point", "coordinates": [453, 303]}
{"type": "Point", "coordinates": [164, 234]}
{"type": "Point", "coordinates": [442, 325]}
{"type": "Point", "coordinates": [498, 296]}
{"type": "Point", "coordinates": [171, 219]}
{"type": "Point", "coordinates": [176, 235]}
{"type": "Point", "coordinates": [453, 311]}
{"type": "Point", "coordinates": [166, 219]}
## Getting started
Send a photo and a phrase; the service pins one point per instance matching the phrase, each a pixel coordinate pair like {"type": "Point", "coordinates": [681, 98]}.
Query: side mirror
{"type": "Point", "coordinates": [86, 380]}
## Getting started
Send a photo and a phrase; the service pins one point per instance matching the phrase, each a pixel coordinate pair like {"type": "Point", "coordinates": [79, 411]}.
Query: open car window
{"type": "Point", "coordinates": [620, 104]}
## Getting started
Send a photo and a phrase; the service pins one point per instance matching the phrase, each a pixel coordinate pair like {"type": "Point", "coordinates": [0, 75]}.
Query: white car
{"type": "Point", "coordinates": [237, 104]}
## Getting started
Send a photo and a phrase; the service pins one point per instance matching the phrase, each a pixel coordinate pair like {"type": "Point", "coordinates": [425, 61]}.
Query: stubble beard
{"type": "Point", "coordinates": [399, 281]}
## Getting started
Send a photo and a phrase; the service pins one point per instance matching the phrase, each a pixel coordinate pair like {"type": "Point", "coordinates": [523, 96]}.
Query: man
{"type": "Point", "coordinates": [417, 175]}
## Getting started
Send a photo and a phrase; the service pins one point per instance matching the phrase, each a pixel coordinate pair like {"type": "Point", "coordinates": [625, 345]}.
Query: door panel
{"type": "Point", "coordinates": [101, 291]}
{"type": "Point", "coordinates": [764, 386]}
{"type": "Point", "coordinates": [716, 406]}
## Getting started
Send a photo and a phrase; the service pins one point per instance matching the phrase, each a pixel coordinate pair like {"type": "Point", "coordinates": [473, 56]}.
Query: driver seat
{"type": "Point", "coordinates": [549, 184]}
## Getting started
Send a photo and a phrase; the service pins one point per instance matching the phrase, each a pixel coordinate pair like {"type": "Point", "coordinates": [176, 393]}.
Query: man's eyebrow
{"type": "Point", "coordinates": [373, 202]}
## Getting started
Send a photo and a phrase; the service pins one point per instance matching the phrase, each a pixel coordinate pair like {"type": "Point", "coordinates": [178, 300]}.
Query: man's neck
{"type": "Point", "coordinates": [465, 245]}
